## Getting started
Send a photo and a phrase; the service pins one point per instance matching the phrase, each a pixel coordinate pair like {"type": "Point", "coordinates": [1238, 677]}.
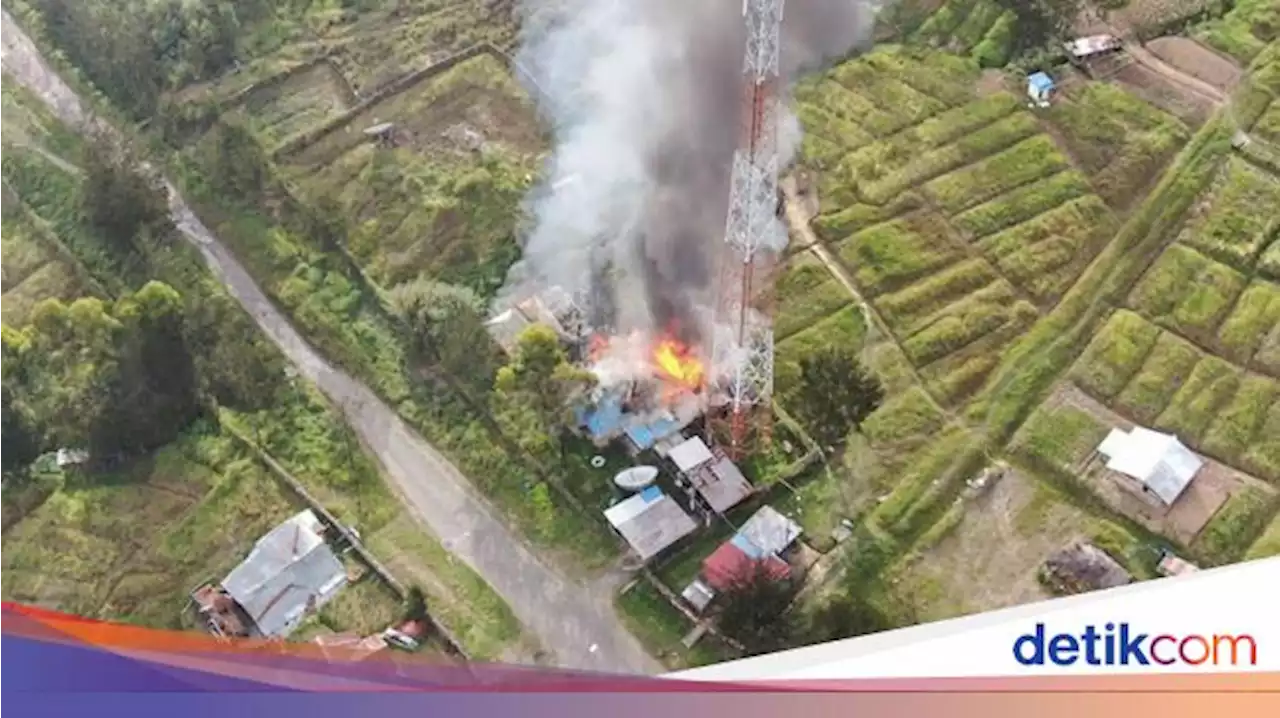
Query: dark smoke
{"type": "Point", "coordinates": [645, 99]}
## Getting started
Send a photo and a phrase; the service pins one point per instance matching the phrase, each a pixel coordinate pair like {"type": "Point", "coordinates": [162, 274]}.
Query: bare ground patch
{"type": "Point", "coordinates": [991, 558]}
{"type": "Point", "coordinates": [1190, 107]}
{"type": "Point", "coordinates": [1196, 60]}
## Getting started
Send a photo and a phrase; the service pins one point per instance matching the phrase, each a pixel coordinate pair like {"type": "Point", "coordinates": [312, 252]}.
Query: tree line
{"type": "Point", "coordinates": [120, 376]}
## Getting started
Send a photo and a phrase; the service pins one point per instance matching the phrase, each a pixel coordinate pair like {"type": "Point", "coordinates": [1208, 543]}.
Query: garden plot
{"type": "Point", "coordinates": [981, 28]}
{"type": "Point", "coordinates": [1031, 159]}
{"type": "Point", "coordinates": [845, 327]}
{"type": "Point", "coordinates": [1268, 125]}
{"type": "Point", "coordinates": [1045, 254]}
{"type": "Point", "coordinates": [807, 292]}
{"type": "Point", "coordinates": [1119, 141]}
{"type": "Point", "coordinates": [130, 545]}
{"type": "Point", "coordinates": [893, 254]}
{"type": "Point", "coordinates": [1244, 31]}
{"type": "Point", "coordinates": [986, 552]}
{"type": "Point", "coordinates": [302, 101]}
{"type": "Point", "coordinates": [1188, 292]}
{"type": "Point", "coordinates": [1251, 333]}
{"type": "Point", "coordinates": [1238, 218]}
{"type": "Point", "coordinates": [383, 44]}
{"type": "Point", "coordinates": [1164, 382]}
{"type": "Point", "coordinates": [445, 199]}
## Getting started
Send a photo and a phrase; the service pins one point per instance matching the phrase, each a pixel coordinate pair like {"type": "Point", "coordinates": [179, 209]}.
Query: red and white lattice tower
{"type": "Point", "coordinates": [742, 344]}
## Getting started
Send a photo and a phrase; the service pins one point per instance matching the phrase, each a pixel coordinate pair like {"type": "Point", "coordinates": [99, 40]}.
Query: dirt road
{"type": "Point", "coordinates": [575, 622]}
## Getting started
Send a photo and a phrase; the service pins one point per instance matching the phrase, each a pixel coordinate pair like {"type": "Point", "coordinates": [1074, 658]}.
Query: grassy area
{"type": "Point", "coordinates": [1115, 354]}
{"type": "Point", "coordinates": [1206, 390]}
{"type": "Point", "coordinates": [661, 628]}
{"type": "Point", "coordinates": [1060, 436]}
{"type": "Point", "coordinates": [1120, 141]}
{"type": "Point", "coordinates": [456, 595]}
{"type": "Point", "coordinates": [1234, 527]}
{"type": "Point", "coordinates": [1268, 544]}
{"type": "Point", "coordinates": [1188, 292]}
{"type": "Point", "coordinates": [1031, 159]}
{"type": "Point", "coordinates": [445, 200]}
{"type": "Point", "coordinates": [1244, 31]}
{"type": "Point", "coordinates": [128, 545]}
{"type": "Point", "coordinates": [806, 293]}
{"type": "Point", "coordinates": [1227, 224]}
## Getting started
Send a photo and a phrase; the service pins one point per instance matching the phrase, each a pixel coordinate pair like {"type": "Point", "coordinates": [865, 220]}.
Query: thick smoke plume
{"type": "Point", "coordinates": [644, 97]}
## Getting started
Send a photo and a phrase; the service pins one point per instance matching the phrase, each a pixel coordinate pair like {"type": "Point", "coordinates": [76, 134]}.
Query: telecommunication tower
{"type": "Point", "coordinates": [742, 344]}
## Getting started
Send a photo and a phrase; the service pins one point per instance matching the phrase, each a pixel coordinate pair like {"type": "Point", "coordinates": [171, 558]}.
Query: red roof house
{"type": "Point", "coordinates": [733, 562]}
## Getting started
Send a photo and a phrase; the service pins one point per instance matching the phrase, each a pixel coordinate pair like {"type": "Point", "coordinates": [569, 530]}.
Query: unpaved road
{"type": "Point", "coordinates": [575, 622]}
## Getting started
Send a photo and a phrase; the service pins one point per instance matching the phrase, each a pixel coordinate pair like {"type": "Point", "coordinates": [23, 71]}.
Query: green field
{"type": "Point", "coordinates": [1229, 225]}
{"type": "Point", "coordinates": [1119, 141]}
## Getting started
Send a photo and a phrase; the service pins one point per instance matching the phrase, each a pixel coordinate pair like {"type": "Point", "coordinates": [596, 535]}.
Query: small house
{"type": "Point", "coordinates": [290, 573]}
{"type": "Point", "coordinates": [1040, 88]}
{"type": "Point", "coordinates": [712, 474]}
{"type": "Point", "coordinates": [1156, 465]}
{"type": "Point", "coordinates": [758, 546]}
{"type": "Point", "coordinates": [650, 521]}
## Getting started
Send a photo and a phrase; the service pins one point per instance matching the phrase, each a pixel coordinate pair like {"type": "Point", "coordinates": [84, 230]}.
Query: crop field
{"type": "Point", "coordinates": [980, 28]}
{"type": "Point", "coordinates": [806, 292]}
{"type": "Point", "coordinates": [1164, 381]}
{"type": "Point", "coordinates": [306, 99]}
{"type": "Point", "coordinates": [1227, 224]}
{"type": "Point", "coordinates": [1244, 31]}
{"type": "Point", "coordinates": [131, 545]}
{"type": "Point", "coordinates": [1118, 140]}
{"type": "Point", "coordinates": [445, 198]}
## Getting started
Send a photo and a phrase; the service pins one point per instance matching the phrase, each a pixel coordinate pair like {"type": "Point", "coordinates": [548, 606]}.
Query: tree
{"type": "Point", "coordinates": [121, 202]}
{"type": "Point", "coordinates": [237, 164]}
{"type": "Point", "coordinates": [235, 364]}
{"type": "Point", "coordinates": [19, 434]}
{"type": "Point", "coordinates": [1040, 22]}
{"type": "Point", "coordinates": [447, 322]}
{"type": "Point", "coordinates": [415, 604]}
{"type": "Point", "coordinates": [64, 364]}
{"type": "Point", "coordinates": [154, 395]}
{"type": "Point", "coordinates": [754, 610]}
{"type": "Point", "coordinates": [847, 617]}
{"type": "Point", "coordinates": [540, 377]}
{"type": "Point", "coordinates": [836, 393]}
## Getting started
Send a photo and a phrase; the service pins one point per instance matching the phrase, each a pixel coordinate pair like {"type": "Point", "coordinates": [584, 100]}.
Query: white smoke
{"type": "Point", "coordinates": [644, 97]}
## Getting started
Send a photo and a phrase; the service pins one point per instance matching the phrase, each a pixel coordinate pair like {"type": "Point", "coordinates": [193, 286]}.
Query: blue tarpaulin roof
{"type": "Point", "coordinates": [604, 419]}
{"type": "Point", "coordinates": [645, 436]}
{"type": "Point", "coordinates": [744, 545]}
{"type": "Point", "coordinates": [1040, 82]}
{"type": "Point", "coordinates": [651, 494]}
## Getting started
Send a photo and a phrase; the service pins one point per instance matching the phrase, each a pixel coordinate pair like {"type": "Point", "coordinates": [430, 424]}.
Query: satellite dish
{"type": "Point", "coordinates": [636, 478]}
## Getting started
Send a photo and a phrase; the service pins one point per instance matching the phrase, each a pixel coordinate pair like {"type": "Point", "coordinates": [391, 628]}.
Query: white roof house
{"type": "Point", "coordinates": [770, 531]}
{"type": "Point", "coordinates": [1156, 460]}
{"type": "Point", "coordinates": [289, 572]}
{"type": "Point", "coordinates": [690, 455]}
{"type": "Point", "coordinates": [650, 521]}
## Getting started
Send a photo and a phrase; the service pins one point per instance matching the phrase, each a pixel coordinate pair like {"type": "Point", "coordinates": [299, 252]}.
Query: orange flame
{"type": "Point", "coordinates": [676, 363]}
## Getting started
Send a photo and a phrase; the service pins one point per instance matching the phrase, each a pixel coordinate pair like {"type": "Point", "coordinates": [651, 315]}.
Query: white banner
{"type": "Point", "coordinates": [1219, 620]}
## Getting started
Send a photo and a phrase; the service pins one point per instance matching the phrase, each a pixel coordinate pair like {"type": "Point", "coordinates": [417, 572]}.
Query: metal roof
{"type": "Point", "coordinates": [1159, 461]}
{"type": "Point", "coordinates": [730, 564]}
{"type": "Point", "coordinates": [289, 571]}
{"type": "Point", "coordinates": [691, 454]}
{"type": "Point", "coordinates": [770, 531]}
{"type": "Point", "coordinates": [650, 521]}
